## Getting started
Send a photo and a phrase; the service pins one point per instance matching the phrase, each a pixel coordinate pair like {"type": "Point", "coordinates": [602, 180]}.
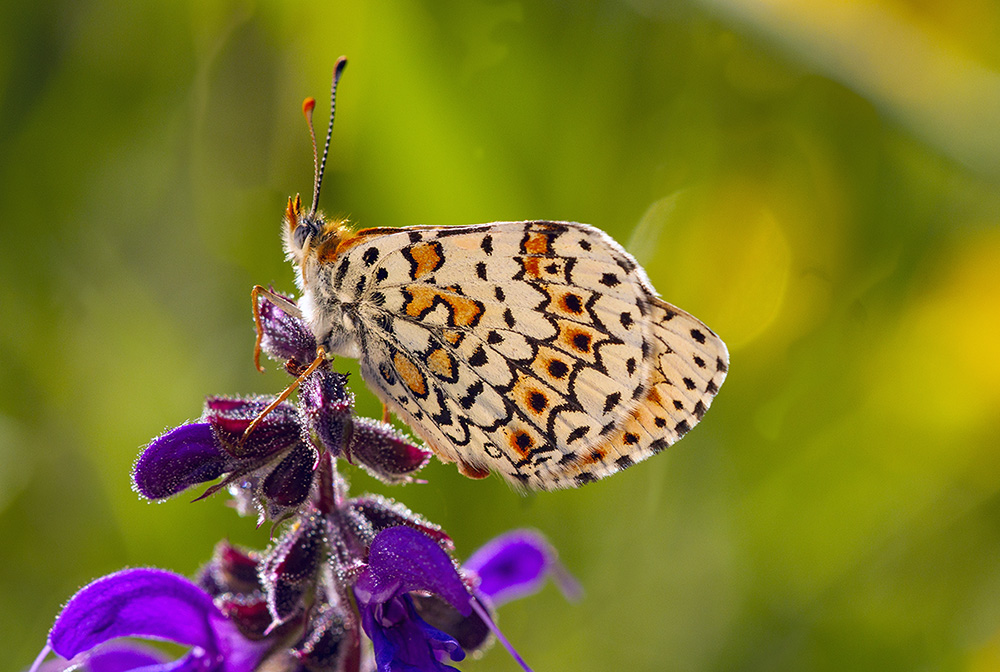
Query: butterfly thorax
{"type": "Point", "coordinates": [311, 244]}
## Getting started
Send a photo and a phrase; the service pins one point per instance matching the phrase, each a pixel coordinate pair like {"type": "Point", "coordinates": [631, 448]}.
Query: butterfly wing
{"type": "Point", "coordinates": [534, 349]}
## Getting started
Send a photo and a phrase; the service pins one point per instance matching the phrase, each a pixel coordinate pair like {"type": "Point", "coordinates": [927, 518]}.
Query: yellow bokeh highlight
{"type": "Point", "coordinates": [939, 367]}
{"type": "Point", "coordinates": [742, 255]}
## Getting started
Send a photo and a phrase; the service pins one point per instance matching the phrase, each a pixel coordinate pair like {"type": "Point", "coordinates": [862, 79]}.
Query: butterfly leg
{"type": "Point", "coordinates": [320, 358]}
{"type": "Point", "coordinates": [286, 306]}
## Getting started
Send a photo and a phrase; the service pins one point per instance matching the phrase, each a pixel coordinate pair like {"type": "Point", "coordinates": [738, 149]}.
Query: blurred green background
{"type": "Point", "coordinates": [819, 181]}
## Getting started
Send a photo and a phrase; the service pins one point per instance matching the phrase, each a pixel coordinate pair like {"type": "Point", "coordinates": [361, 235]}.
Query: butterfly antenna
{"type": "Point", "coordinates": [307, 108]}
{"type": "Point", "coordinates": [308, 105]}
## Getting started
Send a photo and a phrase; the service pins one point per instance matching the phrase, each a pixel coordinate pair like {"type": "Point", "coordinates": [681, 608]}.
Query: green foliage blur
{"type": "Point", "coordinates": [818, 181]}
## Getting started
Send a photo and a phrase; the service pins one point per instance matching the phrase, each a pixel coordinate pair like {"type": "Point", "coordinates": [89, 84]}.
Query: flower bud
{"type": "Point", "coordinates": [230, 418]}
{"type": "Point", "coordinates": [327, 640]}
{"type": "Point", "coordinates": [288, 571]}
{"type": "Point", "coordinates": [382, 513]}
{"type": "Point", "coordinates": [231, 570]}
{"type": "Point", "coordinates": [183, 457]}
{"type": "Point", "coordinates": [285, 337]}
{"type": "Point", "coordinates": [328, 407]}
{"type": "Point", "coordinates": [290, 482]}
{"type": "Point", "coordinates": [385, 453]}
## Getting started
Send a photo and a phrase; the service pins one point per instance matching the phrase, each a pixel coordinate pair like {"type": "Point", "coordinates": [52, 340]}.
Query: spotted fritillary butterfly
{"type": "Point", "coordinates": [538, 350]}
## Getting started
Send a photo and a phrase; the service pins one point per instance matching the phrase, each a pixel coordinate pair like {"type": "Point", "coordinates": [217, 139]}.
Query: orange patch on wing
{"type": "Point", "coordinates": [521, 442]}
{"type": "Point", "coordinates": [452, 336]}
{"type": "Point", "coordinates": [537, 243]}
{"type": "Point", "coordinates": [472, 471]}
{"type": "Point", "coordinates": [427, 257]}
{"type": "Point", "coordinates": [552, 366]}
{"type": "Point", "coordinates": [534, 398]}
{"type": "Point", "coordinates": [576, 338]}
{"type": "Point", "coordinates": [596, 456]}
{"type": "Point", "coordinates": [441, 363]}
{"type": "Point", "coordinates": [531, 266]}
{"type": "Point", "coordinates": [410, 374]}
{"type": "Point", "coordinates": [570, 303]}
{"type": "Point", "coordinates": [534, 401]}
{"type": "Point", "coordinates": [465, 311]}
{"type": "Point", "coordinates": [422, 298]}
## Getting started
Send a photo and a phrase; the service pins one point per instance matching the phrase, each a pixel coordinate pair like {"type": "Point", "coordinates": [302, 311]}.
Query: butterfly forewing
{"type": "Point", "coordinates": [534, 349]}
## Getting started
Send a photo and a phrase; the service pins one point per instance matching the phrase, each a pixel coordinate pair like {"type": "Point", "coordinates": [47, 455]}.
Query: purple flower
{"type": "Point", "coordinates": [150, 604]}
{"type": "Point", "coordinates": [112, 657]}
{"type": "Point", "coordinates": [517, 564]}
{"type": "Point", "coordinates": [402, 560]}
{"type": "Point", "coordinates": [418, 610]}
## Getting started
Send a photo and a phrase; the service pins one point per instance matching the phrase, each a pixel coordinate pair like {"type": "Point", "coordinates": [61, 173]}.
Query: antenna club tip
{"type": "Point", "coordinates": [308, 105]}
{"type": "Point", "coordinates": [339, 66]}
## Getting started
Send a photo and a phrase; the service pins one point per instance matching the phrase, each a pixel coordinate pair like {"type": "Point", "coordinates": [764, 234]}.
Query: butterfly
{"type": "Point", "coordinates": [538, 350]}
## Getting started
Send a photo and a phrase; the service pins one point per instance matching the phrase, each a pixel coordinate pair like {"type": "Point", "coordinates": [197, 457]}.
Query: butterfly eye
{"type": "Point", "coordinates": [302, 233]}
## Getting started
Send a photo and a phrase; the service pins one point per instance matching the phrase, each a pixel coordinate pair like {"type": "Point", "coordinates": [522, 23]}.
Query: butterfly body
{"type": "Point", "coordinates": [538, 349]}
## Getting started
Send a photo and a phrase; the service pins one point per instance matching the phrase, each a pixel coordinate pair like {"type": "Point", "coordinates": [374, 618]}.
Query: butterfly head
{"type": "Point", "coordinates": [310, 239]}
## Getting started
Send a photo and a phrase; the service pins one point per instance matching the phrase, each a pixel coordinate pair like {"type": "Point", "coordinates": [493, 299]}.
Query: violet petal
{"type": "Point", "coordinates": [401, 560]}
{"type": "Point", "coordinates": [123, 658]}
{"type": "Point", "coordinates": [513, 565]}
{"type": "Point", "coordinates": [183, 457]}
{"type": "Point", "coordinates": [114, 657]}
{"type": "Point", "coordinates": [149, 603]}
{"type": "Point", "coordinates": [404, 641]}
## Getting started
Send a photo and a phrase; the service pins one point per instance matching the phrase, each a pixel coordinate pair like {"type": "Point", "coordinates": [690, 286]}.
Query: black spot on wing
{"type": "Point", "coordinates": [479, 357]}
{"type": "Point", "coordinates": [558, 368]}
{"type": "Point", "coordinates": [626, 262]}
{"type": "Point", "coordinates": [471, 393]}
{"type": "Point", "coordinates": [338, 278]}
